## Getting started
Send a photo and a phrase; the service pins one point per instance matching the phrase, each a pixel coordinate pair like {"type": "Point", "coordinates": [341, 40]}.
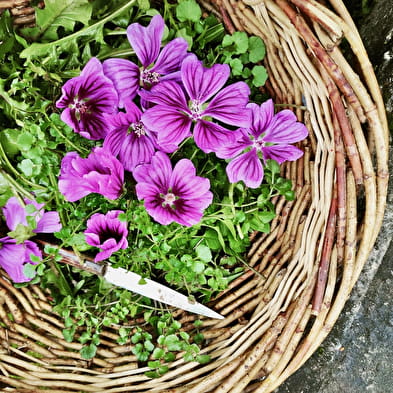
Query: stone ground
{"type": "Point", "coordinates": [357, 356]}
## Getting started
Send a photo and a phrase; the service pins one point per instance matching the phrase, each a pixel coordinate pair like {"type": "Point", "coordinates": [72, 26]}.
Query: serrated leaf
{"type": "Point", "coordinates": [68, 43]}
{"type": "Point", "coordinates": [62, 13]}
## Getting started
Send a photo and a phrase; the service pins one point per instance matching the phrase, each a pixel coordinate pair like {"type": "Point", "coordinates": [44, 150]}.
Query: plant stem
{"type": "Point", "coordinates": [230, 194]}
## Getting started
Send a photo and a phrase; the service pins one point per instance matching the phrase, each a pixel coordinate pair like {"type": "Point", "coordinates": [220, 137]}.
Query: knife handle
{"type": "Point", "coordinates": [79, 261]}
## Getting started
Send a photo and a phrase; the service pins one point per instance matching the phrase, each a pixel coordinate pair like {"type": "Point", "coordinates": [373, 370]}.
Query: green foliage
{"type": "Point", "coordinates": [243, 53]}
{"type": "Point", "coordinates": [62, 14]}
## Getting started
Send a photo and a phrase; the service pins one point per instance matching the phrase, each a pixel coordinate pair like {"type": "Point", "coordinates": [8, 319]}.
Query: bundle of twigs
{"type": "Point", "coordinates": [22, 12]}
{"type": "Point", "coordinates": [308, 264]}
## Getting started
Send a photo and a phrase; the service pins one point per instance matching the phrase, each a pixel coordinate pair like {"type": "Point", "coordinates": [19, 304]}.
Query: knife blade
{"type": "Point", "coordinates": [135, 283]}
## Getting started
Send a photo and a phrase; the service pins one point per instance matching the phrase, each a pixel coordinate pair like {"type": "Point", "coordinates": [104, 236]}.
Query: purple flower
{"type": "Point", "coordinates": [156, 65]}
{"type": "Point", "coordinates": [172, 194]}
{"type": "Point", "coordinates": [86, 98]}
{"type": "Point", "coordinates": [268, 137]}
{"type": "Point", "coordinates": [15, 214]}
{"type": "Point", "coordinates": [14, 256]}
{"type": "Point", "coordinates": [129, 139]}
{"type": "Point", "coordinates": [174, 113]}
{"type": "Point", "coordinates": [106, 232]}
{"type": "Point", "coordinates": [100, 173]}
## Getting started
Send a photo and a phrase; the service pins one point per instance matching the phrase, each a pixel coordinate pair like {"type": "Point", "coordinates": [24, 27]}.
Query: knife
{"type": "Point", "coordinates": [135, 283]}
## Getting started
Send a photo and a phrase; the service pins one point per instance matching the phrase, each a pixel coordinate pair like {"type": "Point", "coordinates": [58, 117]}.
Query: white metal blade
{"type": "Point", "coordinates": [156, 291]}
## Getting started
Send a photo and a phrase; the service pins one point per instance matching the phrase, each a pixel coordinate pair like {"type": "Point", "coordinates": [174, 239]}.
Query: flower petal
{"type": "Point", "coordinates": [166, 93]}
{"type": "Point", "coordinates": [232, 149]}
{"type": "Point", "coordinates": [186, 185]}
{"type": "Point", "coordinates": [281, 153]}
{"type": "Point", "coordinates": [14, 256]}
{"type": "Point", "coordinates": [125, 76]}
{"type": "Point", "coordinates": [114, 140]}
{"type": "Point", "coordinates": [49, 223]}
{"type": "Point", "coordinates": [210, 136]}
{"type": "Point", "coordinates": [136, 150]}
{"type": "Point", "coordinates": [14, 213]}
{"type": "Point", "coordinates": [146, 41]}
{"type": "Point", "coordinates": [171, 125]}
{"type": "Point", "coordinates": [106, 232]}
{"type": "Point", "coordinates": [171, 57]}
{"type": "Point", "coordinates": [285, 128]}
{"type": "Point", "coordinates": [158, 172]}
{"type": "Point", "coordinates": [246, 167]}
{"type": "Point", "coordinates": [202, 83]}
{"type": "Point", "coordinates": [93, 126]}
{"type": "Point", "coordinates": [99, 173]}
{"type": "Point", "coordinates": [261, 117]}
{"type": "Point", "coordinates": [229, 105]}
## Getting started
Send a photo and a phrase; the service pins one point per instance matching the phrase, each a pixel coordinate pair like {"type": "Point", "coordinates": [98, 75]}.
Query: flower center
{"type": "Point", "coordinates": [138, 128]}
{"type": "Point", "coordinates": [80, 106]}
{"type": "Point", "coordinates": [149, 78]}
{"type": "Point", "coordinates": [259, 144]}
{"type": "Point", "coordinates": [168, 199]}
{"type": "Point", "coordinates": [196, 109]}
{"type": "Point", "coordinates": [107, 234]}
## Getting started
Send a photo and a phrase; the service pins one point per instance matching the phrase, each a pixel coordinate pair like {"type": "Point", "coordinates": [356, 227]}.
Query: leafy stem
{"type": "Point", "coordinates": [37, 49]}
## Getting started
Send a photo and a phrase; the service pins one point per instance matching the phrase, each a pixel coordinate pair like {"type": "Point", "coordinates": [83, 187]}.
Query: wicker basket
{"type": "Point", "coordinates": [309, 262]}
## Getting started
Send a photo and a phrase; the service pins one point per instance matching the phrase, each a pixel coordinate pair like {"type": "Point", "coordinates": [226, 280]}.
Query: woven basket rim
{"type": "Point", "coordinates": [273, 324]}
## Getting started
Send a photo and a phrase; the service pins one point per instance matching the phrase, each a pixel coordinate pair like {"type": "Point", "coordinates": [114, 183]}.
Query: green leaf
{"type": "Point", "coordinates": [154, 364]}
{"type": "Point", "coordinates": [29, 270]}
{"type": "Point", "coordinates": [9, 141]}
{"type": "Point", "coordinates": [273, 166]}
{"type": "Point", "coordinates": [69, 43]}
{"type": "Point", "coordinates": [89, 351]}
{"type": "Point", "coordinates": [240, 40]}
{"type": "Point", "coordinates": [26, 167]}
{"type": "Point", "coordinates": [204, 253]}
{"type": "Point", "coordinates": [184, 34]}
{"type": "Point", "coordinates": [62, 13]}
{"type": "Point", "coordinates": [149, 346]}
{"type": "Point", "coordinates": [198, 267]}
{"type": "Point", "coordinates": [236, 66]}
{"type": "Point", "coordinates": [25, 141]}
{"type": "Point", "coordinates": [188, 10]}
{"type": "Point", "coordinates": [21, 233]}
{"type": "Point", "coordinates": [266, 217]}
{"type": "Point", "coordinates": [158, 353]}
{"type": "Point", "coordinates": [203, 359]}
{"type": "Point", "coordinates": [260, 75]}
{"type": "Point", "coordinates": [256, 49]}
{"type": "Point", "coordinates": [69, 333]}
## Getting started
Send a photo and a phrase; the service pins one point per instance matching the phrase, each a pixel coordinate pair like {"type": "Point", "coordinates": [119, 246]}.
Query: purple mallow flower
{"type": "Point", "coordinates": [15, 214]}
{"type": "Point", "coordinates": [15, 253]}
{"type": "Point", "coordinates": [86, 98]}
{"type": "Point", "coordinates": [100, 173]}
{"type": "Point", "coordinates": [106, 232]}
{"type": "Point", "coordinates": [156, 66]}
{"type": "Point", "coordinates": [14, 256]}
{"type": "Point", "coordinates": [175, 112]}
{"type": "Point", "coordinates": [172, 194]}
{"type": "Point", "coordinates": [129, 139]}
{"type": "Point", "coordinates": [269, 136]}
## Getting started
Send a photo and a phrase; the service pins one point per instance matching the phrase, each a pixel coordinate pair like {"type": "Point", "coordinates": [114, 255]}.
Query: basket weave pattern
{"type": "Point", "coordinates": [277, 314]}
